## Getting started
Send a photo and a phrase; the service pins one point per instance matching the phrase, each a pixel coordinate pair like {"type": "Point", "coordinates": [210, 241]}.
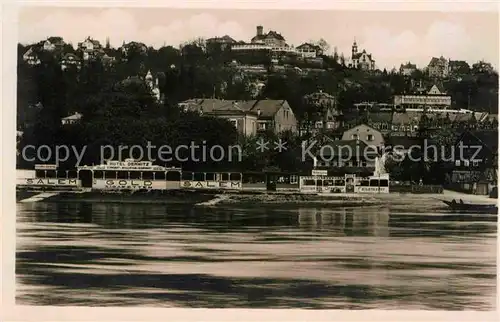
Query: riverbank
{"type": "Point", "coordinates": [136, 197]}
{"type": "Point", "coordinates": [251, 199]}
{"type": "Point", "coordinates": [292, 200]}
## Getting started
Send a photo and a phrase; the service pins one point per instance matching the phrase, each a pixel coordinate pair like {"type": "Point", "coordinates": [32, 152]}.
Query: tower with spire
{"type": "Point", "coordinates": [362, 60]}
{"type": "Point", "coordinates": [354, 48]}
{"type": "Point", "coordinates": [153, 85]}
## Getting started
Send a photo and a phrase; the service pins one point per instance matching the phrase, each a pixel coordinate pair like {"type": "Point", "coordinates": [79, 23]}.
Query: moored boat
{"type": "Point", "coordinates": [470, 207]}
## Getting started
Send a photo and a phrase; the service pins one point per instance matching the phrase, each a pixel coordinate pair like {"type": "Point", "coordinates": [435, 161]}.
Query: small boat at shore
{"type": "Point", "coordinates": [470, 207]}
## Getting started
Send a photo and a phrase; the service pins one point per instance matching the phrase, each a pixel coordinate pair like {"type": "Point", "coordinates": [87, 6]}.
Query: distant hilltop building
{"type": "Point", "coordinates": [407, 69]}
{"type": "Point", "coordinates": [273, 42]}
{"type": "Point", "coordinates": [271, 38]}
{"type": "Point", "coordinates": [51, 44]}
{"type": "Point", "coordinates": [90, 48]}
{"type": "Point", "coordinates": [438, 67]}
{"type": "Point", "coordinates": [223, 41]}
{"type": "Point", "coordinates": [361, 60]}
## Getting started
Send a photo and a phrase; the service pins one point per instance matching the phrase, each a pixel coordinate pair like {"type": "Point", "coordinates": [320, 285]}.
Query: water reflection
{"type": "Point", "coordinates": [115, 254]}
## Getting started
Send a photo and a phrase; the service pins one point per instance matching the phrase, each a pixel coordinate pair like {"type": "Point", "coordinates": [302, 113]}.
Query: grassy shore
{"type": "Point", "coordinates": [287, 200]}
{"type": "Point", "coordinates": [153, 197]}
{"type": "Point", "coordinates": [251, 199]}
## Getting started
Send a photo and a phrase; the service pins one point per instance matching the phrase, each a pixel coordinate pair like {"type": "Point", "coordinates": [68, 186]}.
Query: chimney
{"type": "Point", "coordinates": [258, 112]}
{"type": "Point", "coordinates": [260, 30]}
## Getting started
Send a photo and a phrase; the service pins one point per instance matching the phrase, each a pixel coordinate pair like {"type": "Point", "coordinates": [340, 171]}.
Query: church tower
{"type": "Point", "coordinates": [354, 48]}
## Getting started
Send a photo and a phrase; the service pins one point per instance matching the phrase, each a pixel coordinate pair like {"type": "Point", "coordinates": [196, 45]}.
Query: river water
{"type": "Point", "coordinates": [164, 256]}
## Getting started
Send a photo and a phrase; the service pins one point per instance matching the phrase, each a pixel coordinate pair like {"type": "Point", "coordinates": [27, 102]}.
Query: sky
{"type": "Point", "coordinates": [393, 37]}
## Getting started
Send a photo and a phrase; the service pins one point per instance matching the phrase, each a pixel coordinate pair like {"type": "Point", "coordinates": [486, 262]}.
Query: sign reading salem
{"type": "Point", "coordinates": [211, 184]}
{"type": "Point", "coordinates": [128, 184]}
{"type": "Point", "coordinates": [50, 182]}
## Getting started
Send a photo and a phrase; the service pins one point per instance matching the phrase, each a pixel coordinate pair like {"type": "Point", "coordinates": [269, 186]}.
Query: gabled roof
{"type": "Point", "coordinates": [93, 41]}
{"type": "Point", "coordinates": [216, 106]}
{"type": "Point", "coordinates": [270, 34]}
{"type": "Point", "coordinates": [75, 116]}
{"type": "Point", "coordinates": [306, 44]}
{"type": "Point", "coordinates": [408, 65]}
{"type": "Point", "coordinates": [488, 139]}
{"type": "Point", "coordinates": [358, 55]}
{"type": "Point", "coordinates": [267, 108]}
{"type": "Point", "coordinates": [275, 35]}
{"type": "Point", "coordinates": [225, 39]}
{"type": "Point", "coordinates": [439, 87]}
{"type": "Point", "coordinates": [437, 61]}
{"type": "Point", "coordinates": [30, 53]}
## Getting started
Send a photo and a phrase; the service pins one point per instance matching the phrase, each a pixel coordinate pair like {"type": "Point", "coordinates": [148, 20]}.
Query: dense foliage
{"type": "Point", "coordinates": [118, 108]}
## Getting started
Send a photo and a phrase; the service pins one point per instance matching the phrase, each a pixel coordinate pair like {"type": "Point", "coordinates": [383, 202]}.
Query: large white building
{"type": "Point", "coordinates": [433, 99]}
{"type": "Point", "coordinates": [275, 42]}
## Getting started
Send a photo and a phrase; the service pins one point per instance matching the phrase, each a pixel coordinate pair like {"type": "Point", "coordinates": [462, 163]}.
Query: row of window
{"type": "Point", "coordinates": [369, 137]}
{"type": "Point", "coordinates": [342, 183]}
{"type": "Point", "coordinates": [467, 163]}
{"type": "Point", "coordinates": [329, 125]}
{"type": "Point", "coordinates": [425, 100]}
{"type": "Point", "coordinates": [146, 175]}
{"type": "Point", "coordinates": [334, 163]}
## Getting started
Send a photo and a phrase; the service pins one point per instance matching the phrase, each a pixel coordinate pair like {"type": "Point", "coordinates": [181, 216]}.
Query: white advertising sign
{"type": "Point", "coordinates": [49, 182]}
{"type": "Point", "coordinates": [129, 184]}
{"type": "Point", "coordinates": [322, 173]}
{"type": "Point", "coordinates": [211, 184]}
{"type": "Point", "coordinates": [373, 189]}
{"type": "Point", "coordinates": [45, 167]}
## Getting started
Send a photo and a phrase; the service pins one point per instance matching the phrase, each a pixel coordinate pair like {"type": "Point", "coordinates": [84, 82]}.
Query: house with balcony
{"type": "Point", "coordinates": [273, 115]}
{"type": "Point", "coordinates": [307, 50]}
{"type": "Point", "coordinates": [365, 133]}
